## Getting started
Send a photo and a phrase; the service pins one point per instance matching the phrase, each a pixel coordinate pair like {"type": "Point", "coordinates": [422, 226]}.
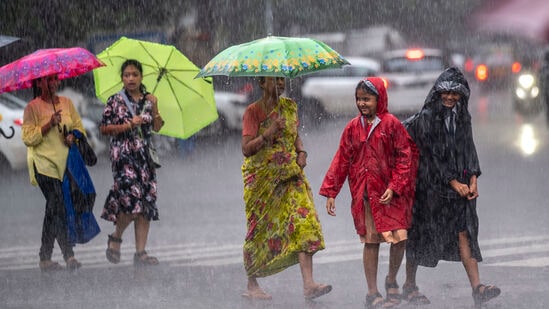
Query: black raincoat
{"type": "Point", "coordinates": [439, 213]}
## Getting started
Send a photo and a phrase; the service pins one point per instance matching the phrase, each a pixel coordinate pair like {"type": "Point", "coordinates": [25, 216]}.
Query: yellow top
{"type": "Point", "coordinates": [49, 152]}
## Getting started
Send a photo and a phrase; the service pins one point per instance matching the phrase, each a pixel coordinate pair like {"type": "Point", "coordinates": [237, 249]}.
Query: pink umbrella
{"type": "Point", "coordinates": [524, 18]}
{"type": "Point", "coordinates": [65, 62]}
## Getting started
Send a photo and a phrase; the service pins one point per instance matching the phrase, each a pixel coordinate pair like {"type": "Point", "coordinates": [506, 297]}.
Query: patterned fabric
{"type": "Point", "coordinates": [281, 218]}
{"type": "Point", "coordinates": [134, 190]}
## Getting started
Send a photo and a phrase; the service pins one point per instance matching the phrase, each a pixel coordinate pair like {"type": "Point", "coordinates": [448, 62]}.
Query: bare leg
{"type": "Point", "coordinates": [396, 254]}
{"type": "Point", "coordinates": [370, 259]}
{"type": "Point", "coordinates": [306, 265]}
{"type": "Point", "coordinates": [141, 233]}
{"type": "Point", "coordinates": [411, 270]}
{"type": "Point", "coordinates": [122, 223]}
{"type": "Point", "coordinates": [470, 264]}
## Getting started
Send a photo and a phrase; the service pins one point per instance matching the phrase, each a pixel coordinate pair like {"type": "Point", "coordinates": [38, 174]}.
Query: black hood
{"type": "Point", "coordinates": [450, 80]}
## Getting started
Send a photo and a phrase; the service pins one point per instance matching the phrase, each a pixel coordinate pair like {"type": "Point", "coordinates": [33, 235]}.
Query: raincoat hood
{"type": "Point", "coordinates": [450, 80]}
{"type": "Point", "coordinates": [382, 94]}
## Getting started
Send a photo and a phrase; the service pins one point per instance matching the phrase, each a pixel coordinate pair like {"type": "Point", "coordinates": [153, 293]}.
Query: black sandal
{"type": "Point", "coordinates": [113, 255]}
{"type": "Point", "coordinates": [392, 298]}
{"type": "Point", "coordinates": [413, 296]}
{"type": "Point", "coordinates": [488, 292]}
{"type": "Point", "coordinates": [142, 259]}
{"type": "Point", "coordinates": [375, 301]}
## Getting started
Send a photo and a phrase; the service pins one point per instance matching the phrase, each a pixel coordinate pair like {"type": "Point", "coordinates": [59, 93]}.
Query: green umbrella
{"type": "Point", "coordinates": [274, 56]}
{"type": "Point", "coordinates": [185, 103]}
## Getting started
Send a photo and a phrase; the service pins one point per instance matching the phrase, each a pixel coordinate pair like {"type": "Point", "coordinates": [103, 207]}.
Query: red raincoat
{"type": "Point", "coordinates": [384, 158]}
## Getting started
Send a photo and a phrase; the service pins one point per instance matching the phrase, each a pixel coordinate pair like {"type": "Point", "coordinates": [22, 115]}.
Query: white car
{"type": "Point", "coordinates": [230, 107]}
{"type": "Point", "coordinates": [13, 152]}
{"type": "Point", "coordinates": [332, 92]}
{"type": "Point", "coordinates": [410, 75]}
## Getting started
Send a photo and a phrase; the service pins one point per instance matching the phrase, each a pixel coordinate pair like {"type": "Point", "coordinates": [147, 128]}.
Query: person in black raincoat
{"type": "Point", "coordinates": [445, 222]}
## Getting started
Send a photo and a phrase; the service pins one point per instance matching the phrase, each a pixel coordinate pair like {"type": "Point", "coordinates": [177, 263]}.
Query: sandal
{"type": "Point", "coordinates": [73, 264]}
{"type": "Point", "coordinates": [488, 292]}
{"type": "Point", "coordinates": [413, 296]}
{"type": "Point", "coordinates": [318, 291]}
{"type": "Point", "coordinates": [113, 255]}
{"type": "Point", "coordinates": [142, 259]}
{"type": "Point", "coordinates": [50, 266]}
{"type": "Point", "coordinates": [392, 298]}
{"type": "Point", "coordinates": [375, 301]}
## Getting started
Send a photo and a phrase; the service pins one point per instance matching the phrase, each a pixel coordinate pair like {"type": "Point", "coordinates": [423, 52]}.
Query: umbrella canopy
{"type": "Point", "coordinates": [529, 19]}
{"type": "Point", "coordinates": [186, 104]}
{"type": "Point", "coordinates": [274, 56]}
{"type": "Point", "coordinates": [65, 62]}
{"type": "Point", "coordinates": [6, 40]}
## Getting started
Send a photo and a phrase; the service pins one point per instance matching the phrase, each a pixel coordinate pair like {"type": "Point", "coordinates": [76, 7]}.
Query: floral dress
{"type": "Point", "coordinates": [134, 190]}
{"type": "Point", "coordinates": [281, 217]}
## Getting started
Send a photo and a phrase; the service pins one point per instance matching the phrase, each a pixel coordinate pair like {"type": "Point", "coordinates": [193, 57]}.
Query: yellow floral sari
{"type": "Point", "coordinates": [281, 218]}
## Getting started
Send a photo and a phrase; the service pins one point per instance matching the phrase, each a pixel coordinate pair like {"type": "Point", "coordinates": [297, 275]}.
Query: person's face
{"type": "Point", "coordinates": [49, 84]}
{"type": "Point", "coordinates": [274, 86]}
{"type": "Point", "coordinates": [366, 103]}
{"type": "Point", "coordinates": [131, 77]}
{"type": "Point", "coordinates": [450, 98]}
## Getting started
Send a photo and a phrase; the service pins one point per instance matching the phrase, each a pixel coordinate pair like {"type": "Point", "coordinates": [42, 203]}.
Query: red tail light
{"type": "Point", "coordinates": [481, 72]}
{"type": "Point", "coordinates": [18, 122]}
{"type": "Point", "coordinates": [385, 82]}
{"type": "Point", "coordinates": [516, 67]}
{"type": "Point", "coordinates": [469, 66]}
{"type": "Point", "coordinates": [414, 54]}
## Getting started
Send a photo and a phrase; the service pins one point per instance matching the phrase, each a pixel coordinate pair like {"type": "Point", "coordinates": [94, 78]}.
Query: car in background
{"type": "Point", "coordinates": [13, 153]}
{"type": "Point", "coordinates": [409, 75]}
{"type": "Point", "coordinates": [494, 65]}
{"type": "Point", "coordinates": [230, 108]}
{"type": "Point", "coordinates": [331, 92]}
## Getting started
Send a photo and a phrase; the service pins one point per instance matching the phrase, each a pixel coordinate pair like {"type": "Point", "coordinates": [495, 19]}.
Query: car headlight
{"type": "Point", "coordinates": [526, 81]}
{"type": "Point", "coordinates": [521, 94]}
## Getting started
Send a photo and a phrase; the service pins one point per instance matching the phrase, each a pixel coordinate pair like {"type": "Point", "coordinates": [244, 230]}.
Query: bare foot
{"type": "Point", "coordinates": [257, 293]}
{"type": "Point", "coordinates": [316, 291]}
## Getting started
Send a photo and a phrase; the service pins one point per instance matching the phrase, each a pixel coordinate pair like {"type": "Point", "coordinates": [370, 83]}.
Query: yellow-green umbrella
{"type": "Point", "coordinates": [186, 104]}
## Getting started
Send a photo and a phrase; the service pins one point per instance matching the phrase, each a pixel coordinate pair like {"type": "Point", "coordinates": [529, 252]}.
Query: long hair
{"type": "Point", "coordinates": [36, 91]}
{"type": "Point", "coordinates": [139, 67]}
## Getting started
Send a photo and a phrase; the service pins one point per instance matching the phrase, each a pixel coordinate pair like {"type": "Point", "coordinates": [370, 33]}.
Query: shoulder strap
{"type": "Point", "coordinates": [126, 101]}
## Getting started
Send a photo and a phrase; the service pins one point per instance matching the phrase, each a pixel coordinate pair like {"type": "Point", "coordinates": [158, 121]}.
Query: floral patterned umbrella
{"type": "Point", "coordinates": [65, 62]}
{"type": "Point", "coordinates": [274, 56]}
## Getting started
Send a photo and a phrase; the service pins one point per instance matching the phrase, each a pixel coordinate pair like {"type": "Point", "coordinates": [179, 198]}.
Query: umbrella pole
{"type": "Point", "coordinates": [53, 104]}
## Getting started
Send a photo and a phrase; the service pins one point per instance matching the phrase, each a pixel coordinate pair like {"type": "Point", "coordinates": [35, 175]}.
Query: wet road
{"type": "Point", "coordinates": [198, 239]}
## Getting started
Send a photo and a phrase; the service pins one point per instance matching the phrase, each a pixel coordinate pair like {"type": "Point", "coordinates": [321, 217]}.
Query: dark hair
{"type": "Point", "coordinates": [36, 91]}
{"type": "Point", "coordinates": [139, 67]}
{"type": "Point", "coordinates": [362, 85]}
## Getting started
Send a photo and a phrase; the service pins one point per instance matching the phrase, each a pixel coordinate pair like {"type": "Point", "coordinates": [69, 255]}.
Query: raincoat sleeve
{"type": "Point", "coordinates": [401, 175]}
{"type": "Point", "coordinates": [473, 165]}
{"type": "Point", "coordinates": [339, 168]}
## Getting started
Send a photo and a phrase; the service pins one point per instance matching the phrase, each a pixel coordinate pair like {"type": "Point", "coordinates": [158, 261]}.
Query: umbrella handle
{"type": "Point", "coordinates": [5, 135]}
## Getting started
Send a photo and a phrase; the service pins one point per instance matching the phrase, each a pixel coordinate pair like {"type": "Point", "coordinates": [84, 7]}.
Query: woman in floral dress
{"type": "Point", "coordinates": [128, 118]}
{"type": "Point", "coordinates": [282, 224]}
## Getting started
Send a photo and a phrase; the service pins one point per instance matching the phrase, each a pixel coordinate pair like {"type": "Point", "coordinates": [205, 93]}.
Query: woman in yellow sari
{"type": "Point", "coordinates": [282, 224]}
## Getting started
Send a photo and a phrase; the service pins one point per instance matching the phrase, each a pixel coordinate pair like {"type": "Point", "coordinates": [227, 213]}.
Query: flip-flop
{"type": "Point", "coordinates": [319, 291]}
{"type": "Point", "coordinates": [259, 295]}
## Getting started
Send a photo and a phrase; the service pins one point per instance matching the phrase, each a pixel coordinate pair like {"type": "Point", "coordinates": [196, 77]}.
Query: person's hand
{"type": "Point", "coordinates": [55, 118]}
{"type": "Point", "coordinates": [69, 139]}
{"type": "Point", "coordinates": [461, 188]}
{"type": "Point", "coordinates": [331, 206]}
{"type": "Point", "coordinates": [276, 126]}
{"type": "Point", "coordinates": [151, 97]}
{"type": "Point", "coordinates": [302, 159]}
{"type": "Point", "coordinates": [386, 197]}
{"type": "Point", "coordinates": [136, 121]}
{"type": "Point", "coordinates": [473, 189]}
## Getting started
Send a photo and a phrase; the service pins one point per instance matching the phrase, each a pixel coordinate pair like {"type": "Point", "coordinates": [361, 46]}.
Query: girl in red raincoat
{"type": "Point", "coordinates": [379, 158]}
